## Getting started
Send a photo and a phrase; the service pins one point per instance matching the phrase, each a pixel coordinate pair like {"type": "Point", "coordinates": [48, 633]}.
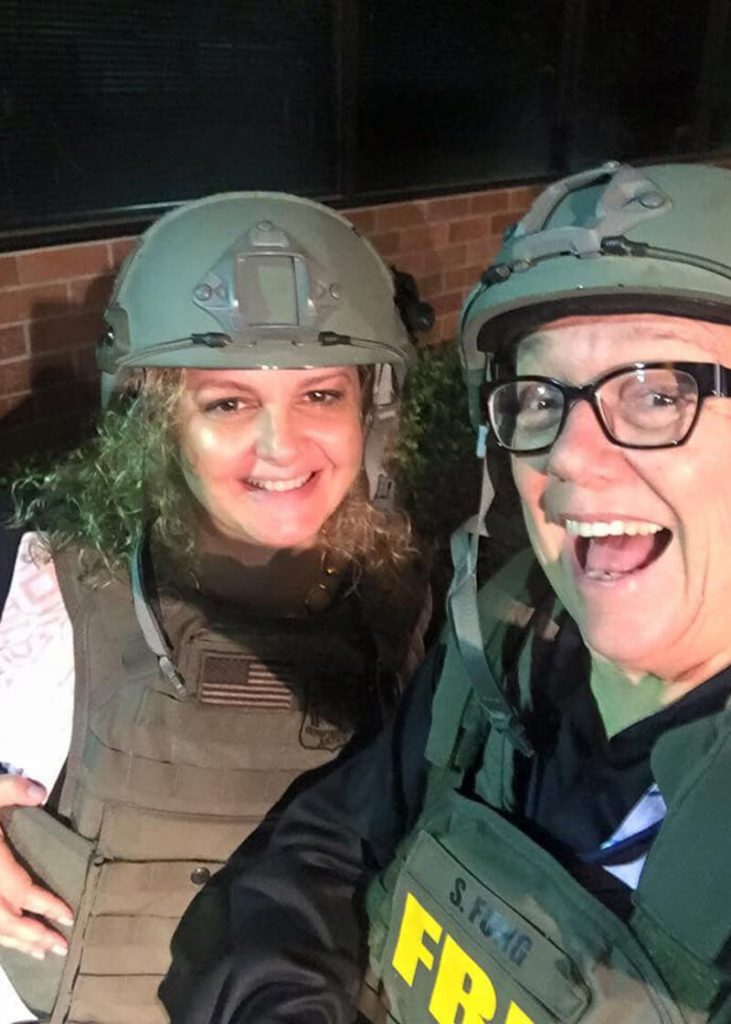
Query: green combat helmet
{"type": "Point", "coordinates": [255, 280]}
{"type": "Point", "coordinates": [248, 280]}
{"type": "Point", "coordinates": [613, 239]}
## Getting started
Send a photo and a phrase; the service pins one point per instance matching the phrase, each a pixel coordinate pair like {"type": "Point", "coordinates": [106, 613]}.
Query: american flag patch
{"type": "Point", "coordinates": [246, 682]}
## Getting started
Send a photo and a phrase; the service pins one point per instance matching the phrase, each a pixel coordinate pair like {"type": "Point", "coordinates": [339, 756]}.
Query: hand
{"type": "Point", "coordinates": [19, 895]}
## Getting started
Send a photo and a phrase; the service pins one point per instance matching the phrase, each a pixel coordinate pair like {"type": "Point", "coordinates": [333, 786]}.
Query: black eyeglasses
{"type": "Point", "coordinates": [643, 405]}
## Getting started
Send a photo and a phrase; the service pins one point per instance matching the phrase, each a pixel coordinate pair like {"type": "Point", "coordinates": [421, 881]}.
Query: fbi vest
{"type": "Point", "coordinates": [474, 922]}
{"type": "Point", "coordinates": [159, 790]}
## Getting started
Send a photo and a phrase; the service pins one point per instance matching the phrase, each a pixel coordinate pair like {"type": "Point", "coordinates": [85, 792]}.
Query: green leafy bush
{"type": "Point", "coordinates": [437, 471]}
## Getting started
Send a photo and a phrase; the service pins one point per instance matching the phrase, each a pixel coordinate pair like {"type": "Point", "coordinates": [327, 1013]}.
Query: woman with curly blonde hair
{"type": "Point", "coordinates": [210, 597]}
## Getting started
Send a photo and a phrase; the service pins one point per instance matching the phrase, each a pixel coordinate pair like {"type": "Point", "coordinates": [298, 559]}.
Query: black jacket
{"type": "Point", "coordinates": [9, 542]}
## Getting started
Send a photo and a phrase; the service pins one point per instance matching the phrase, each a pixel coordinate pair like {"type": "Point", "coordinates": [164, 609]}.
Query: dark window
{"type": "Point", "coordinates": [715, 112]}
{"type": "Point", "coordinates": [112, 109]}
{"type": "Point", "coordinates": [638, 77]}
{"type": "Point", "coordinates": [109, 105]}
{"type": "Point", "coordinates": [455, 93]}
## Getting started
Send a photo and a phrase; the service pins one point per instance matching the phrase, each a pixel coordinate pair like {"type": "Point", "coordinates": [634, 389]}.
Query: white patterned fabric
{"type": "Point", "coordinates": [36, 690]}
{"type": "Point", "coordinates": [648, 812]}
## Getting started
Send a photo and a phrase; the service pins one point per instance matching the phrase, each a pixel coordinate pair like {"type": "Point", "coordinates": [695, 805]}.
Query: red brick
{"type": "Point", "coordinates": [482, 254]}
{"type": "Point", "coordinates": [12, 342]}
{"type": "Point", "coordinates": [493, 248]}
{"type": "Point", "coordinates": [16, 377]}
{"type": "Point", "coordinates": [63, 262]}
{"type": "Point", "coordinates": [521, 198]}
{"type": "Point", "coordinates": [472, 274]}
{"type": "Point", "coordinates": [490, 202]}
{"type": "Point", "coordinates": [448, 208]}
{"type": "Point", "coordinates": [460, 277]}
{"type": "Point", "coordinates": [447, 303]}
{"type": "Point", "coordinates": [431, 284]}
{"type": "Point", "coordinates": [499, 222]}
{"type": "Point", "coordinates": [8, 271]}
{"type": "Point", "coordinates": [387, 244]}
{"type": "Point", "coordinates": [412, 262]}
{"type": "Point", "coordinates": [466, 230]}
{"type": "Point", "coordinates": [364, 219]}
{"type": "Point", "coordinates": [91, 292]}
{"type": "Point", "coordinates": [478, 254]}
{"type": "Point", "coordinates": [64, 333]}
{"type": "Point", "coordinates": [425, 236]}
{"type": "Point", "coordinates": [119, 250]}
{"type": "Point", "coordinates": [449, 256]}
{"type": "Point", "coordinates": [400, 215]}
{"type": "Point", "coordinates": [446, 327]}
{"type": "Point", "coordinates": [32, 303]}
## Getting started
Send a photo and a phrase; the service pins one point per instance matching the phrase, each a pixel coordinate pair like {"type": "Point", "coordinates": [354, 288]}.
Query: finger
{"type": "Point", "coordinates": [15, 882]}
{"type": "Point", "coordinates": [31, 949]}
{"type": "Point", "coordinates": [19, 892]}
{"type": "Point", "coordinates": [28, 935]}
{"type": "Point", "coordinates": [14, 789]}
{"type": "Point", "coordinates": [22, 947]}
{"type": "Point", "coordinates": [41, 901]}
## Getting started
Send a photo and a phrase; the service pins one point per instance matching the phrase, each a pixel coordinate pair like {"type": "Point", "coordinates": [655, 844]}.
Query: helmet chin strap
{"type": "Point", "coordinates": [381, 486]}
{"type": "Point", "coordinates": [108, 386]}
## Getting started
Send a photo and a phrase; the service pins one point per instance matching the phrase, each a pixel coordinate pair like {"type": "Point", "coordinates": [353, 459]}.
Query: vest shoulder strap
{"type": "Point", "coordinates": [505, 605]}
{"type": "Point", "coordinates": [81, 599]}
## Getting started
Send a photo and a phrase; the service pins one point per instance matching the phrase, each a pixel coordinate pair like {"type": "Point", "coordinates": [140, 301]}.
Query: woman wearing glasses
{"type": "Point", "coordinates": [543, 836]}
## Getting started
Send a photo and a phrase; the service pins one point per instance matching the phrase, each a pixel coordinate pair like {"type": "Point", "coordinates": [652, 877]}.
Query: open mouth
{"type": "Point", "coordinates": [611, 550]}
{"type": "Point", "coordinates": [278, 486]}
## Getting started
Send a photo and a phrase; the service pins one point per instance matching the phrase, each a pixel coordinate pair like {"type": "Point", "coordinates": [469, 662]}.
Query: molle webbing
{"type": "Point", "coordinates": [159, 790]}
{"type": "Point", "coordinates": [683, 903]}
{"type": "Point", "coordinates": [461, 726]}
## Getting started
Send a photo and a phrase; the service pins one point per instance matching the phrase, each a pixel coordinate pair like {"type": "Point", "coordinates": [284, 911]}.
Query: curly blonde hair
{"type": "Point", "coordinates": [128, 477]}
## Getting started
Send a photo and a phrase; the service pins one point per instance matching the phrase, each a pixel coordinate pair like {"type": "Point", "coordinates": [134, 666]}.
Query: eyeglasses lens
{"type": "Point", "coordinates": [646, 408]}
{"type": "Point", "coordinates": [649, 408]}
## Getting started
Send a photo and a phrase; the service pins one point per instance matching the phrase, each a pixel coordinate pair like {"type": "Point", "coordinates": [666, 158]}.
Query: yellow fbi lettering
{"type": "Point", "coordinates": [460, 984]}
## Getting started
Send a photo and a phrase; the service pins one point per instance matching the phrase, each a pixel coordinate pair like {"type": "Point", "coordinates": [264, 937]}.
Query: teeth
{"type": "Point", "coordinates": [279, 485]}
{"type": "Point", "coordinates": [602, 575]}
{"type": "Point", "coordinates": [611, 528]}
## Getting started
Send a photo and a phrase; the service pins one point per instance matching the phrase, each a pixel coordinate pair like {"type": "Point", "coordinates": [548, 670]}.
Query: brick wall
{"type": "Point", "coordinates": [51, 303]}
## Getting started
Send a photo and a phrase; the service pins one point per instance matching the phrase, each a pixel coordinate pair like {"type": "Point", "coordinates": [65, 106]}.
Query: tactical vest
{"type": "Point", "coordinates": [475, 922]}
{"type": "Point", "coordinates": [159, 790]}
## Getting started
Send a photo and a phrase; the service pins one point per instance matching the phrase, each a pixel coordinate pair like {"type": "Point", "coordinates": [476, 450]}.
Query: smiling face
{"type": "Point", "coordinates": [637, 544]}
{"type": "Point", "coordinates": [270, 454]}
